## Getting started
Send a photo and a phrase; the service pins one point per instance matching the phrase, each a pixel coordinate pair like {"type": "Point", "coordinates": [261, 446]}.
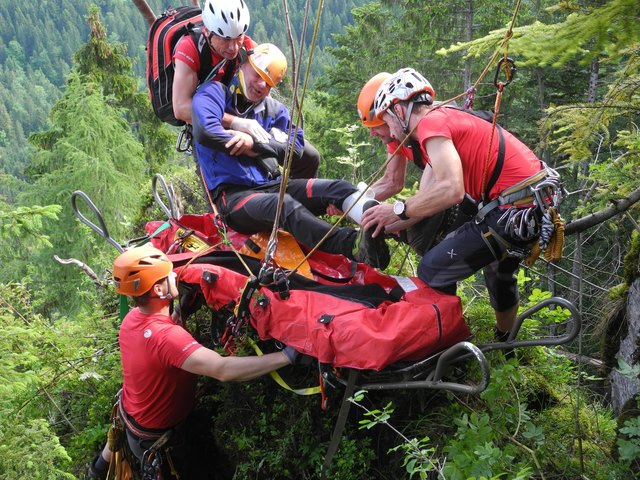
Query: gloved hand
{"type": "Point", "coordinates": [252, 127]}
{"type": "Point", "coordinates": [291, 354]}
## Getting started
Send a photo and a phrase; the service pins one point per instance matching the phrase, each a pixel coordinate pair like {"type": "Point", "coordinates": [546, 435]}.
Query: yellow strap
{"type": "Point", "coordinates": [280, 381]}
{"type": "Point", "coordinates": [556, 244]}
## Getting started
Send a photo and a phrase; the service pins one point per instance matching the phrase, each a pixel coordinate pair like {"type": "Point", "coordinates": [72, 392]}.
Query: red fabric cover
{"type": "Point", "coordinates": [328, 268]}
{"type": "Point", "coordinates": [357, 336]}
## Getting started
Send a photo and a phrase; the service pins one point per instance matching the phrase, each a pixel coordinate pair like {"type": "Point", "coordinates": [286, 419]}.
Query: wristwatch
{"type": "Point", "coordinates": [399, 208]}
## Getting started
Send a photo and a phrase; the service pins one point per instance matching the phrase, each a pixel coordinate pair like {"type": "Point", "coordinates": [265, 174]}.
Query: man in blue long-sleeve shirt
{"type": "Point", "coordinates": [242, 176]}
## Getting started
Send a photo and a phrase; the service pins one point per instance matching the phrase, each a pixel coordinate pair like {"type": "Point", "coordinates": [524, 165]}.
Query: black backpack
{"type": "Point", "coordinates": [164, 34]}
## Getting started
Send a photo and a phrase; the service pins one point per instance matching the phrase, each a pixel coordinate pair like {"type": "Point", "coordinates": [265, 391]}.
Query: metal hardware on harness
{"type": "Point", "coordinates": [520, 223]}
{"type": "Point", "coordinates": [546, 230]}
{"type": "Point", "coordinates": [509, 67]}
{"type": "Point", "coordinates": [184, 144]}
{"type": "Point", "coordinates": [542, 190]}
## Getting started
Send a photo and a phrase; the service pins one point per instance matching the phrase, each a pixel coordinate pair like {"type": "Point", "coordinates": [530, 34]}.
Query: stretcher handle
{"type": "Point", "coordinates": [574, 323]}
{"type": "Point", "coordinates": [100, 230]}
{"type": "Point", "coordinates": [172, 210]}
{"type": "Point", "coordinates": [451, 355]}
{"type": "Point", "coordinates": [454, 354]}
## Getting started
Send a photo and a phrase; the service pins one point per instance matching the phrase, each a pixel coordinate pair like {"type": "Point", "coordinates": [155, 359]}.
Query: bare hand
{"type": "Point", "coordinates": [240, 144]}
{"type": "Point", "coordinates": [333, 210]}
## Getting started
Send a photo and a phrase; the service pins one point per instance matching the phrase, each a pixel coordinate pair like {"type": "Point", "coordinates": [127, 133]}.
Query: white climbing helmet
{"type": "Point", "coordinates": [226, 18]}
{"type": "Point", "coordinates": [405, 84]}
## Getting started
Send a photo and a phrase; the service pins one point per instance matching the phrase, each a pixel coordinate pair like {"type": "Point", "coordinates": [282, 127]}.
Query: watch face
{"type": "Point", "coordinates": [398, 208]}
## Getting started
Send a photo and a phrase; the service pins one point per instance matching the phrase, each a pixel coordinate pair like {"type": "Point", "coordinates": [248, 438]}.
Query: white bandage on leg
{"type": "Point", "coordinates": [357, 209]}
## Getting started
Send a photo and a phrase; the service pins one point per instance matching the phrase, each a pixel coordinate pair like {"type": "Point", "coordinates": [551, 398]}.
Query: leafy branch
{"type": "Point", "coordinates": [418, 457]}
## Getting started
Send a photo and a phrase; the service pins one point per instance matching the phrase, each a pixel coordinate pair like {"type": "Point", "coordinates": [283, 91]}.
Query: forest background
{"type": "Point", "coordinates": [74, 115]}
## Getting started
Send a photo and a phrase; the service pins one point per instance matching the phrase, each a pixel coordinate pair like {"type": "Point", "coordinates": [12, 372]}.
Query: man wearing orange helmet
{"type": "Point", "coordinates": [225, 24]}
{"type": "Point", "coordinates": [419, 233]}
{"type": "Point", "coordinates": [508, 186]}
{"type": "Point", "coordinates": [242, 175]}
{"type": "Point", "coordinates": [161, 361]}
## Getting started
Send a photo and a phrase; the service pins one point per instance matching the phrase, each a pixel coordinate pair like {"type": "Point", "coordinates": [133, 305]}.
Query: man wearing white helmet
{"type": "Point", "coordinates": [242, 175]}
{"type": "Point", "coordinates": [419, 233]}
{"type": "Point", "coordinates": [466, 161]}
{"type": "Point", "coordinates": [224, 33]}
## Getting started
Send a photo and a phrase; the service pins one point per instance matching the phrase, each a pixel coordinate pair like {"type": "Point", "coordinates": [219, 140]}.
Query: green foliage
{"type": "Point", "coordinates": [283, 438]}
{"type": "Point", "coordinates": [32, 451]}
{"type": "Point", "coordinates": [418, 455]}
{"type": "Point", "coordinates": [629, 448]}
{"type": "Point", "coordinates": [51, 374]}
{"type": "Point", "coordinates": [23, 222]}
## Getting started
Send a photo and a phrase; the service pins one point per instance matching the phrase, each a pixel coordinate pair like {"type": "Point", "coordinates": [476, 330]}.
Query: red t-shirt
{"type": "Point", "coordinates": [156, 392]}
{"type": "Point", "coordinates": [471, 137]}
{"type": "Point", "coordinates": [404, 150]}
{"type": "Point", "coordinates": [187, 52]}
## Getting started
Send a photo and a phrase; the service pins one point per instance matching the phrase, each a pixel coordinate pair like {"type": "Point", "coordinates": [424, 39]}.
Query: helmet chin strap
{"type": "Point", "coordinates": [167, 295]}
{"type": "Point", "coordinates": [407, 118]}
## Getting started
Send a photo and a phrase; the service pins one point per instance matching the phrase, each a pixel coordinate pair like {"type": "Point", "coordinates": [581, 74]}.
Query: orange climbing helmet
{"type": "Point", "coordinates": [137, 270]}
{"type": "Point", "coordinates": [270, 63]}
{"type": "Point", "coordinates": [367, 95]}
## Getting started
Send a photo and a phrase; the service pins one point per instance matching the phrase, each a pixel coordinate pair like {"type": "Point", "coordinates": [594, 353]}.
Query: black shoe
{"type": "Point", "coordinates": [97, 469]}
{"type": "Point", "coordinates": [369, 250]}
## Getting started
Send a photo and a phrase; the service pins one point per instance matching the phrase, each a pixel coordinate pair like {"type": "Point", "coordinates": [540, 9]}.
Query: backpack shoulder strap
{"type": "Point", "coordinates": [497, 170]}
{"type": "Point", "coordinates": [204, 53]}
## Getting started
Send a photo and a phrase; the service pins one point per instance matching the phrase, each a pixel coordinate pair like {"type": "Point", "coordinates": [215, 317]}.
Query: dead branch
{"type": "Point", "coordinates": [582, 359]}
{"type": "Point", "coordinates": [617, 207]}
{"type": "Point", "coordinates": [147, 13]}
{"type": "Point", "coordinates": [86, 268]}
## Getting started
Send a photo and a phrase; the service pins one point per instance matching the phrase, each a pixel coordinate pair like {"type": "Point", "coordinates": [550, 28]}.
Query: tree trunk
{"type": "Point", "coordinates": [619, 206]}
{"type": "Point", "coordinates": [145, 10]}
{"type": "Point", "coordinates": [576, 271]}
{"type": "Point", "coordinates": [623, 388]}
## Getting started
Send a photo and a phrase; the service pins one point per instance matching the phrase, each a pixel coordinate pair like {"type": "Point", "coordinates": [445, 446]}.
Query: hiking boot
{"type": "Point", "coordinates": [369, 250]}
{"type": "Point", "coordinates": [97, 469]}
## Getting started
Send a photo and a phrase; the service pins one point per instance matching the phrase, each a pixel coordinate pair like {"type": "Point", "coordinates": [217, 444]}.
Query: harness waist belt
{"type": "Point", "coordinates": [524, 192]}
{"type": "Point", "coordinates": [135, 428]}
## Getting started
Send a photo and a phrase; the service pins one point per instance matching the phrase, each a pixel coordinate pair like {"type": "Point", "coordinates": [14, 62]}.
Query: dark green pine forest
{"type": "Point", "coordinates": [74, 115]}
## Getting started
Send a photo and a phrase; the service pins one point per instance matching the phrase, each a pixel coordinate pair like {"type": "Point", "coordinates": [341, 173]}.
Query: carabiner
{"type": "Point", "coordinates": [184, 143]}
{"type": "Point", "coordinates": [509, 67]}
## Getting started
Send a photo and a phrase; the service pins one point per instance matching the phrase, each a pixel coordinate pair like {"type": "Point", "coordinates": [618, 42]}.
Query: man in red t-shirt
{"type": "Point", "coordinates": [224, 32]}
{"type": "Point", "coordinates": [454, 146]}
{"type": "Point", "coordinates": [161, 360]}
{"type": "Point", "coordinates": [419, 233]}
